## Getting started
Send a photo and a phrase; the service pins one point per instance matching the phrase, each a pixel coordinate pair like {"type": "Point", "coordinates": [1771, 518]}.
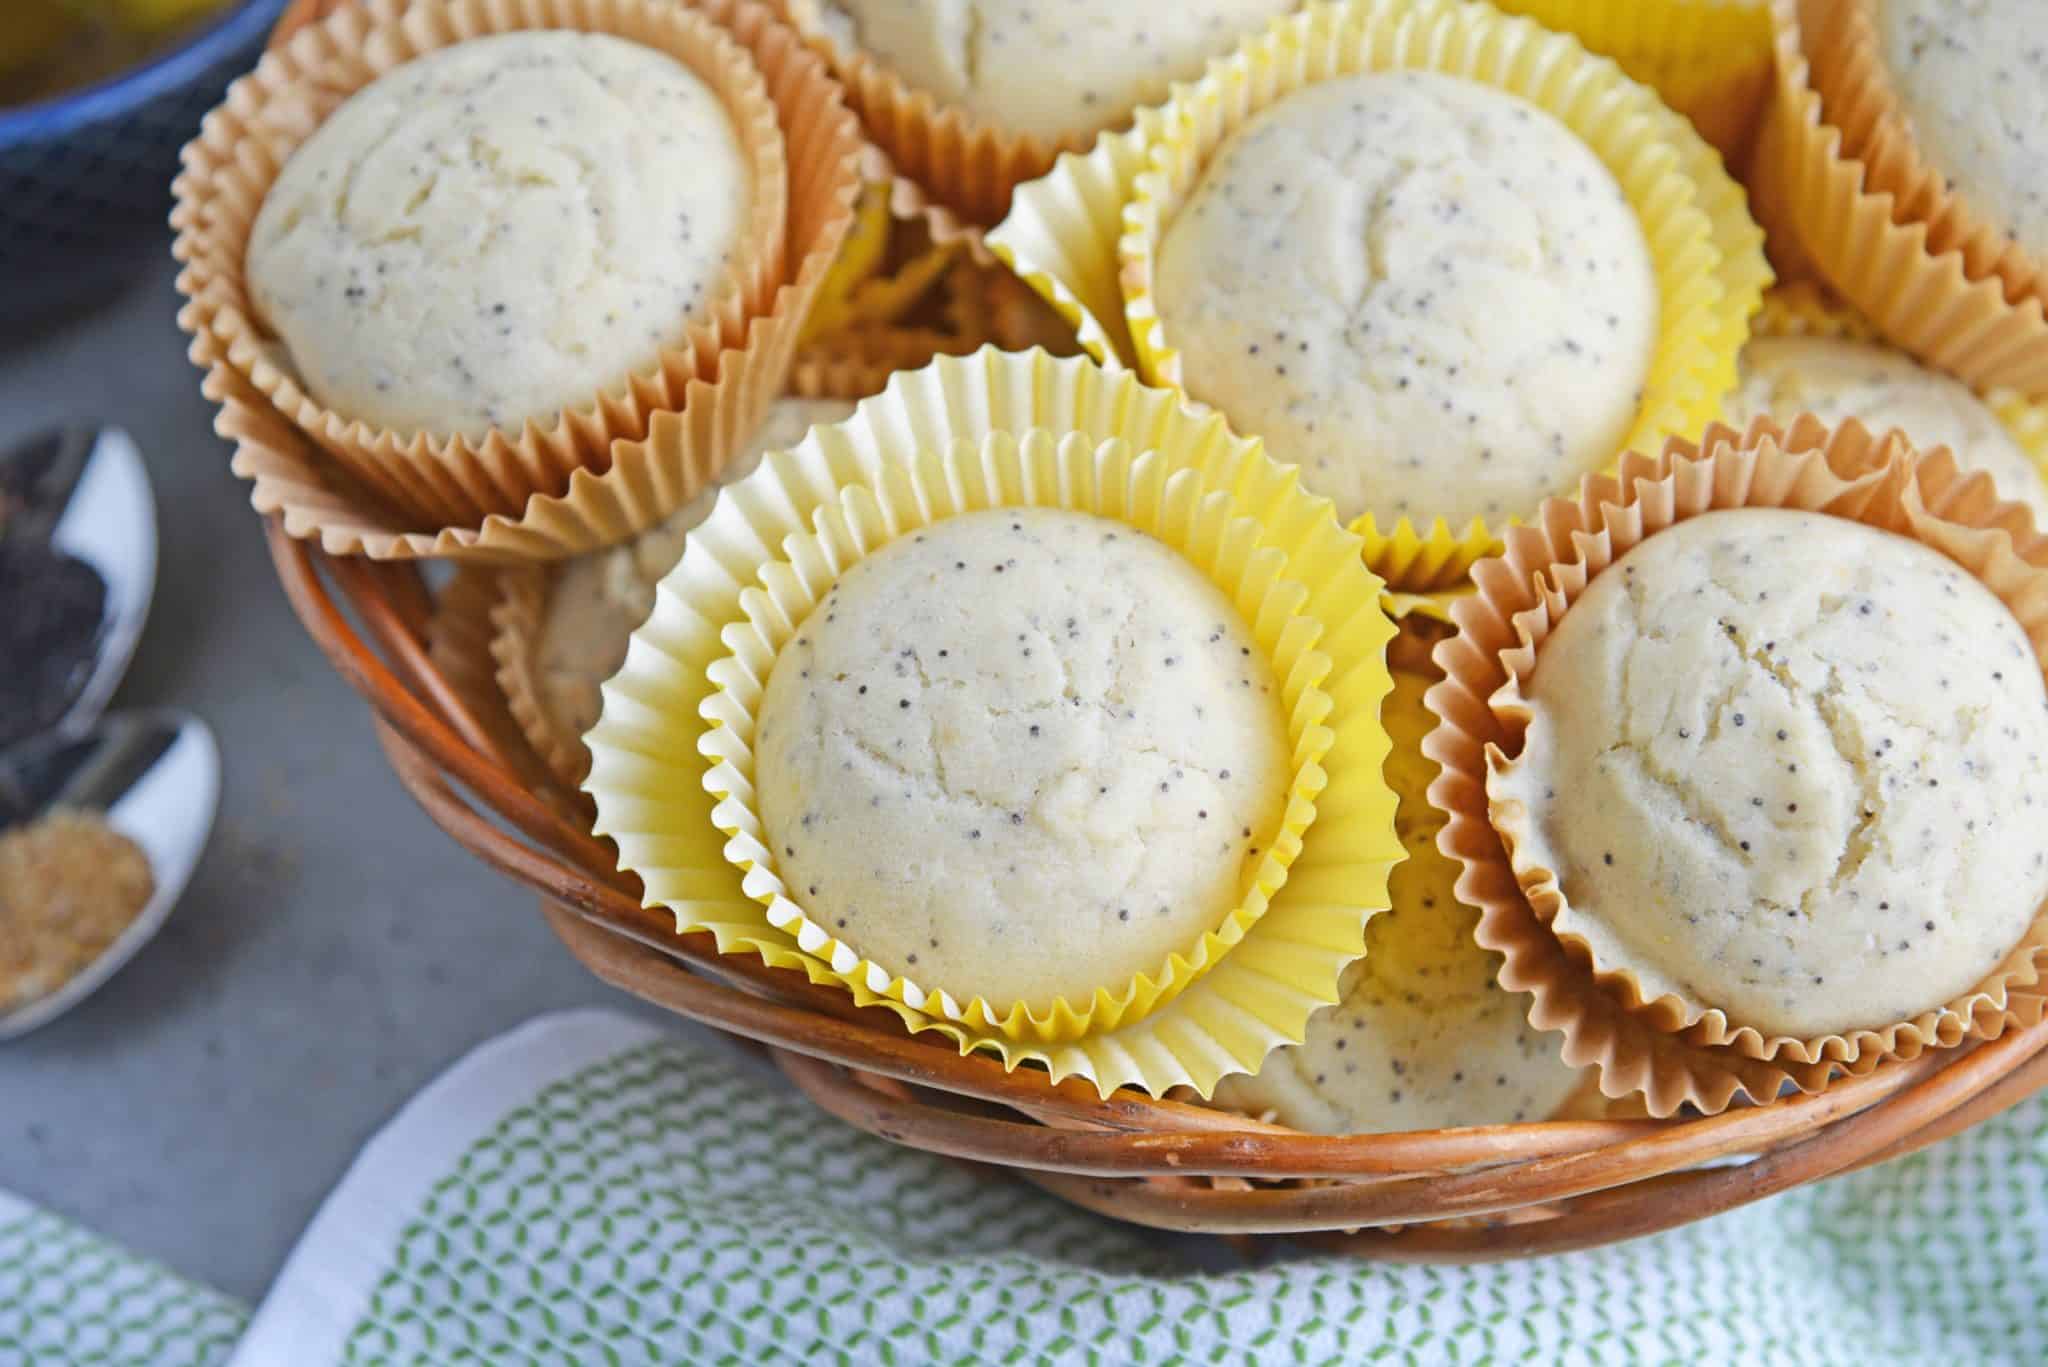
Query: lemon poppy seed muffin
{"type": "Point", "coordinates": [1020, 755]}
{"type": "Point", "coordinates": [1422, 1037]}
{"type": "Point", "coordinates": [1788, 766]}
{"type": "Point", "coordinates": [1966, 75]}
{"type": "Point", "coordinates": [1060, 70]}
{"type": "Point", "coordinates": [597, 601]}
{"type": "Point", "coordinates": [498, 230]}
{"type": "Point", "coordinates": [1428, 292]}
{"type": "Point", "coordinates": [1837, 378]}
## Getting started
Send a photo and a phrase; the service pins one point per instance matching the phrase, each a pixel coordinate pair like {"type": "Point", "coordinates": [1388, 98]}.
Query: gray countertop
{"type": "Point", "coordinates": [334, 950]}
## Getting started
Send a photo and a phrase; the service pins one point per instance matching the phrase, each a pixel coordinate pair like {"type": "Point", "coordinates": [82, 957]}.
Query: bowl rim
{"type": "Point", "coordinates": [242, 25]}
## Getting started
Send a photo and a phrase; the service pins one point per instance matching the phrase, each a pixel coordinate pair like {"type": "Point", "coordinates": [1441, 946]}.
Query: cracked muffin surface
{"type": "Point", "coordinates": [1427, 292]}
{"type": "Point", "coordinates": [1056, 69]}
{"type": "Point", "coordinates": [1020, 754]}
{"type": "Point", "coordinates": [498, 230]}
{"type": "Point", "coordinates": [1788, 766]}
{"type": "Point", "coordinates": [1967, 77]}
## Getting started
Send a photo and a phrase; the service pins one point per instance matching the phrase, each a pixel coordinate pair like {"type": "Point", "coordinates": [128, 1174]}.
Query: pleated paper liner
{"type": "Point", "coordinates": [639, 482]}
{"type": "Point", "coordinates": [1804, 309]}
{"type": "Point", "coordinates": [1707, 252]}
{"type": "Point", "coordinates": [859, 261]}
{"type": "Point", "coordinates": [1425, 571]}
{"type": "Point", "coordinates": [873, 351]}
{"type": "Point", "coordinates": [985, 300]}
{"type": "Point", "coordinates": [901, 246]}
{"type": "Point", "coordinates": [1673, 1054]}
{"type": "Point", "coordinates": [516, 614]}
{"type": "Point", "coordinates": [1149, 459]}
{"type": "Point", "coordinates": [1810, 190]}
{"type": "Point", "coordinates": [438, 479]}
{"type": "Point", "coordinates": [933, 276]}
{"type": "Point", "coordinates": [459, 644]}
{"type": "Point", "coordinates": [964, 162]}
{"type": "Point", "coordinates": [1708, 59]}
{"type": "Point", "coordinates": [1061, 236]}
{"type": "Point", "coordinates": [1856, 94]}
{"type": "Point", "coordinates": [1042, 469]}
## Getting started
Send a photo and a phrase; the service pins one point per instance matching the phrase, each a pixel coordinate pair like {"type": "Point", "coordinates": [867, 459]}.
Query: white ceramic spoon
{"type": "Point", "coordinates": [155, 776]}
{"type": "Point", "coordinates": [83, 492]}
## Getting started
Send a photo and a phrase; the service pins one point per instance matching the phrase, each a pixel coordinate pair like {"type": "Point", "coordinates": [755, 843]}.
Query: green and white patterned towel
{"type": "Point", "coordinates": [589, 1190]}
{"type": "Point", "coordinates": [586, 1190]}
{"type": "Point", "coordinates": [68, 1297]}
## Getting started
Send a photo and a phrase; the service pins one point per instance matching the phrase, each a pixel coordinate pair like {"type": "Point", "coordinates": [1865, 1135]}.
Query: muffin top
{"type": "Point", "coordinates": [1422, 1037]}
{"type": "Point", "coordinates": [1835, 378]}
{"type": "Point", "coordinates": [1428, 292]}
{"type": "Point", "coordinates": [1061, 70]}
{"type": "Point", "coordinates": [1790, 766]}
{"type": "Point", "coordinates": [597, 601]}
{"type": "Point", "coordinates": [1019, 755]}
{"type": "Point", "coordinates": [1966, 74]}
{"type": "Point", "coordinates": [498, 230]}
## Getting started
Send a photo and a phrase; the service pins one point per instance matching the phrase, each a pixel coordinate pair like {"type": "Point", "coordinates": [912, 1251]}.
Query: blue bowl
{"type": "Point", "coordinates": [85, 177]}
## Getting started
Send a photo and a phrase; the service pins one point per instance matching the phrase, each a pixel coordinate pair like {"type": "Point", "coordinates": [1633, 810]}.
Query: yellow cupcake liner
{"type": "Point", "coordinates": [1707, 252]}
{"type": "Point", "coordinates": [1131, 452]}
{"type": "Point", "coordinates": [859, 260]}
{"type": "Point", "coordinates": [1061, 235]}
{"type": "Point", "coordinates": [1708, 59]}
{"type": "Point", "coordinates": [1425, 571]}
{"type": "Point", "coordinates": [1804, 309]}
{"type": "Point", "coordinates": [1035, 468]}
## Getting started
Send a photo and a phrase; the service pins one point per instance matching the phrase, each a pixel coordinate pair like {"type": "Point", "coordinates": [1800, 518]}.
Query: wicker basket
{"type": "Point", "coordinates": [1440, 1196]}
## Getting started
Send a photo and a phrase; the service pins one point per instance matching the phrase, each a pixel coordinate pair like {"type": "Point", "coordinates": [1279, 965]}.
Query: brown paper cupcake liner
{"type": "Point", "coordinates": [455, 479]}
{"type": "Point", "coordinates": [1673, 1055]}
{"type": "Point", "coordinates": [514, 617]}
{"type": "Point", "coordinates": [517, 607]}
{"type": "Point", "coordinates": [459, 645]}
{"type": "Point", "coordinates": [909, 202]}
{"type": "Point", "coordinates": [637, 483]}
{"type": "Point", "coordinates": [872, 351]}
{"type": "Point", "coordinates": [961, 161]}
{"type": "Point", "coordinates": [1809, 190]}
{"type": "Point", "coordinates": [901, 246]}
{"type": "Point", "coordinates": [987, 302]}
{"type": "Point", "coordinates": [1857, 96]}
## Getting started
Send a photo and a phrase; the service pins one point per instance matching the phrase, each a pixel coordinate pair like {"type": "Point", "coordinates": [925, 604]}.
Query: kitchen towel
{"type": "Point", "coordinates": [591, 1189]}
